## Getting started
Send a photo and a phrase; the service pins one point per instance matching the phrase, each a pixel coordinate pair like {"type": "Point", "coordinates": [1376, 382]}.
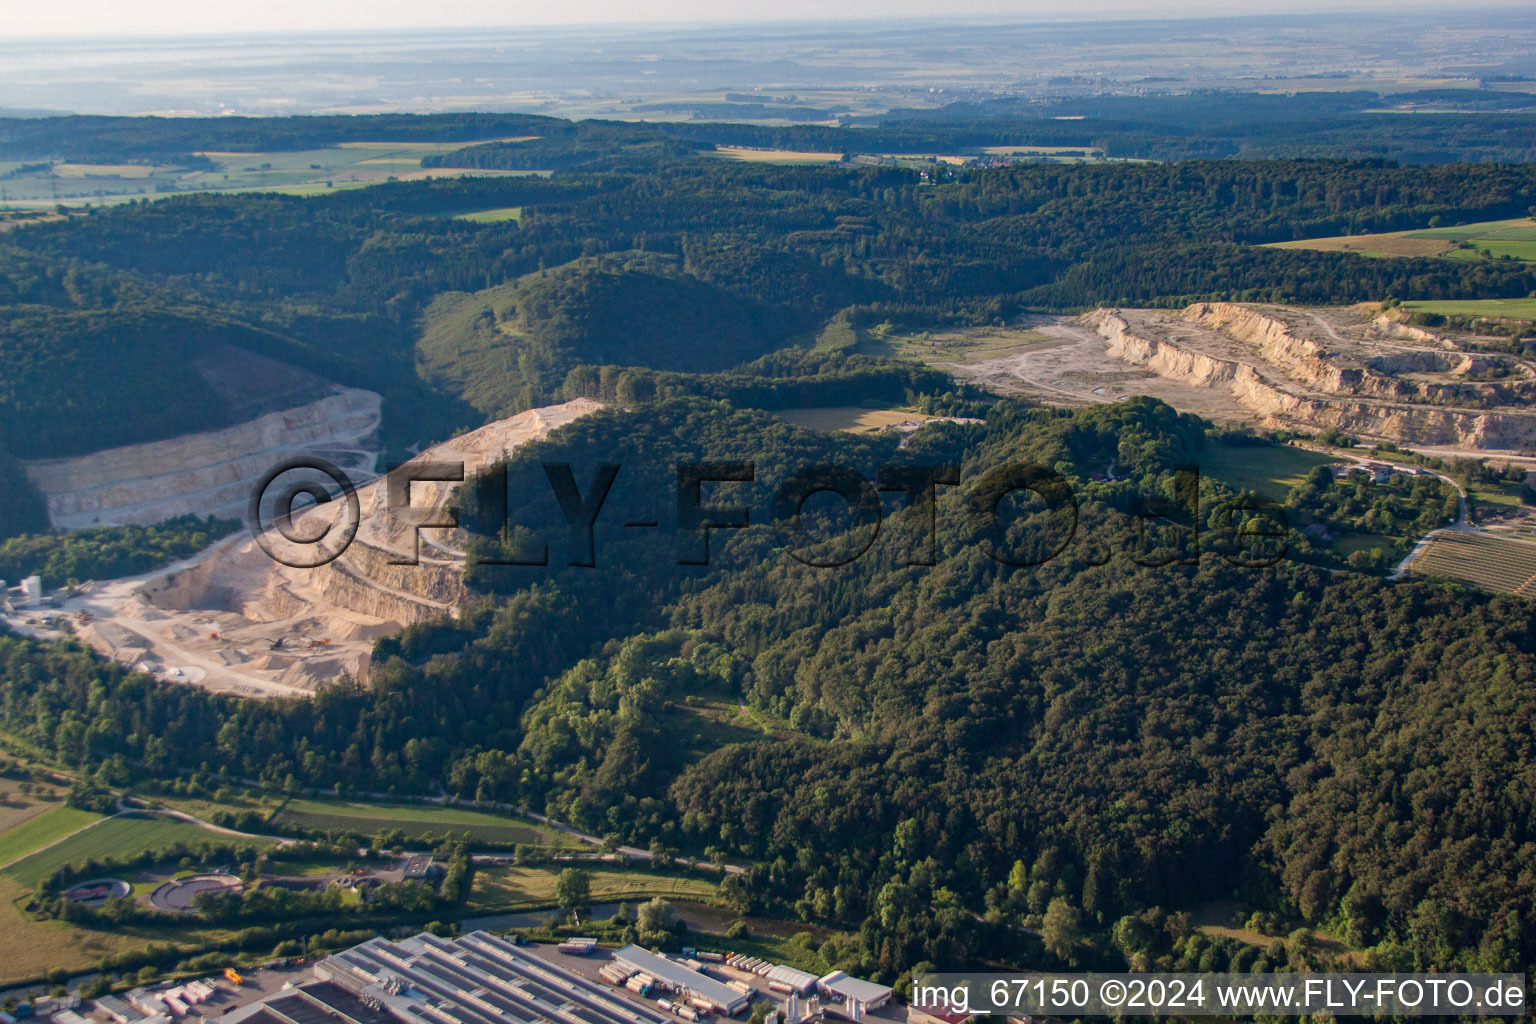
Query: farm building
{"type": "Point", "coordinates": [681, 979]}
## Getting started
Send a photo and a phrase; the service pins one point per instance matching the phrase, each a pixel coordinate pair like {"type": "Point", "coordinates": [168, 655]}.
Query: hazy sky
{"type": "Point", "coordinates": [176, 17]}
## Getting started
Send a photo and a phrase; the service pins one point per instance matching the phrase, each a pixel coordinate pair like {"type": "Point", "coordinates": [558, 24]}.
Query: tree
{"type": "Point", "coordinates": [1062, 930]}
{"type": "Point", "coordinates": [1018, 884]}
{"type": "Point", "coordinates": [573, 888]}
{"type": "Point", "coordinates": [655, 915]}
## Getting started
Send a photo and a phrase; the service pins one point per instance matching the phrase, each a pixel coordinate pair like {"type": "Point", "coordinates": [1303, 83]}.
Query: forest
{"type": "Point", "coordinates": [957, 717]}
{"type": "Point", "coordinates": [1449, 126]}
{"type": "Point", "coordinates": [108, 552]}
{"type": "Point", "coordinates": [383, 288]}
{"type": "Point", "coordinates": [1096, 712]}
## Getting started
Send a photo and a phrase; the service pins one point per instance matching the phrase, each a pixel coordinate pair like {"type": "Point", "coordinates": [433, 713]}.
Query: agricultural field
{"type": "Point", "coordinates": [774, 156]}
{"type": "Point", "coordinates": [1511, 309]}
{"type": "Point", "coordinates": [30, 948]}
{"type": "Point", "coordinates": [236, 801]}
{"type": "Point", "coordinates": [121, 836]}
{"type": "Point", "coordinates": [1508, 566]}
{"type": "Point", "coordinates": [493, 216]}
{"type": "Point", "coordinates": [1391, 243]}
{"type": "Point", "coordinates": [518, 888]}
{"type": "Point", "coordinates": [1522, 250]}
{"type": "Point", "coordinates": [850, 417]}
{"type": "Point", "coordinates": [23, 837]}
{"type": "Point", "coordinates": [1093, 151]}
{"type": "Point", "coordinates": [21, 800]}
{"type": "Point", "coordinates": [1268, 470]}
{"type": "Point", "coordinates": [302, 172]}
{"type": "Point", "coordinates": [1514, 238]}
{"type": "Point", "coordinates": [415, 820]}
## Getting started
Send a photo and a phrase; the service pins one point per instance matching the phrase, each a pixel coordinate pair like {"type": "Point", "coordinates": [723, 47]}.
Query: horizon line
{"type": "Point", "coordinates": [961, 19]}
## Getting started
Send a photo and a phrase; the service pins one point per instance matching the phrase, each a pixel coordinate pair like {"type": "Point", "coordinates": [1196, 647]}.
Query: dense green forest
{"type": "Point", "coordinates": [1110, 731]}
{"type": "Point", "coordinates": [1453, 125]}
{"type": "Point", "coordinates": [665, 265]}
{"type": "Point", "coordinates": [1108, 707]}
{"type": "Point", "coordinates": [123, 139]}
{"type": "Point", "coordinates": [108, 552]}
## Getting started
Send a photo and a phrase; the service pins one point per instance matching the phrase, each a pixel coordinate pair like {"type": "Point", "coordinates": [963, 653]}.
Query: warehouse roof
{"type": "Point", "coordinates": [680, 976]}
{"type": "Point", "coordinates": [800, 981]}
{"type": "Point", "coordinates": [474, 979]}
{"type": "Point", "coordinates": [866, 992]}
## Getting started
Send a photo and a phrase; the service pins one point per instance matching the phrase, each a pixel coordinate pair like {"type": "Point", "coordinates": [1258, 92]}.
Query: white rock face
{"type": "Point", "coordinates": [207, 473]}
{"type": "Point", "coordinates": [234, 620]}
{"type": "Point", "coordinates": [1371, 381]}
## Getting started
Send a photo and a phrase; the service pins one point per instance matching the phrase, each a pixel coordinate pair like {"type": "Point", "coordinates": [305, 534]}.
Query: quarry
{"type": "Point", "coordinates": [284, 411]}
{"type": "Point", "coordinates": [1356, 369]}
{"type": "Point", "coordinates": [235, 620]}
{"type": "Point", "coordinates": [232, 619]}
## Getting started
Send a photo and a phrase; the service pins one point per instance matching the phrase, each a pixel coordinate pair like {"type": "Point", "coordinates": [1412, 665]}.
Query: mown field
{"type": "Point", "coordinates": [416, 820]}
{"type": "Point", "coordinates": [849, 417]}
{"type": "Point", "coordinates": [774, 156]}
{"type": "Point", "coordinates": [1508, 566]}
{"type": "Point", "coordinates": [1514, 309]}
{"type": "Point", "coordinates": [17, 806]}
{"type": "Point", "coordinates": [1514, 238]}
{"type": "Point", "coordinates": [29, 948]}
{"type": "Point", "coordinates": [493, 216]}
{"type": "Point", "coordinates": [301, 172]}
{"type": "Point", "coordinates": [39, 830]}
{"type": "Point", "coordinates": [122, 836]}
{"type": "Point", "coordinates": [518, 888]}
{"type": "Point", "coordinates": [1268, 470]}
{"type": "Point", "coordinates": [1391, 243]}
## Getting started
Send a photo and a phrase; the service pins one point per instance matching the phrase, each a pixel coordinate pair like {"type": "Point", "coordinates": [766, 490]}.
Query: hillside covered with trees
{"type": "Point", "coordinates": [1114, 739]}
{"type": "Point", "coordinates": [1097, 713]}
{"type": "Point", "coordinates": [677, 265]}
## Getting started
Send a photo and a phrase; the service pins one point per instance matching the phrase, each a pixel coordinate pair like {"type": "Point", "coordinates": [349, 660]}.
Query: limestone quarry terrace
{"type": "Point", "coordinates": [234, 620]}
{"type": "Point", "coordinates": [1357, 369]}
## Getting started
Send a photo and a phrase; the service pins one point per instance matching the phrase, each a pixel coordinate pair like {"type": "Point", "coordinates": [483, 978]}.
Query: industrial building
{"type": "Point", "coordinates": [119, 1010]}
{"type": "Point", "coordinates": [474, 979]}
{"type": "Point", "coordinates": [784, 979]}
{"type": "Point", "coordinates": [680, 978]}
{"type": "Point", "coordinates": [855, 994]}
{"type": "Point", "coordinates": [420, 868]}
{"type": "Point", "coordinates": [482, 979]}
